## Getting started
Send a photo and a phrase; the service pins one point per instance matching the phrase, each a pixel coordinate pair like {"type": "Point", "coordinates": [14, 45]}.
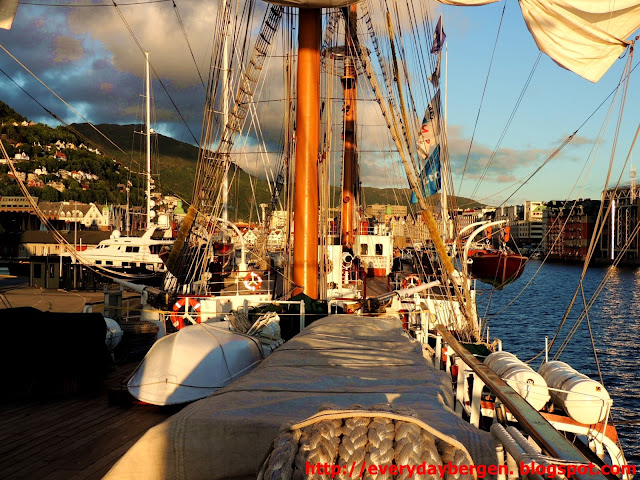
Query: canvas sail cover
{"type": "Point", "coordinates": [342, 360]}
{"type": "Point", "coordinates": [8, 10]}
{"type": "Point", "coordinates": [584, 36]}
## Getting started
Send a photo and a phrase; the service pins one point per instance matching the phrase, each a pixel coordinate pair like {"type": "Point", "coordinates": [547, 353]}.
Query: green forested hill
{"type": "Point", "coordinates": [176, 167]}
{"type": "Point", "coordinates": [173, 169]}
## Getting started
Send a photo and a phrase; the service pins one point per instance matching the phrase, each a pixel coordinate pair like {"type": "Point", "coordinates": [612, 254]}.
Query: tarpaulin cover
{"type": "Point", "coordinates": [339, 361]}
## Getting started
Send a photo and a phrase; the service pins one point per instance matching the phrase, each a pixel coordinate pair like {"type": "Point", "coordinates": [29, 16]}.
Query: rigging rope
{"type": "Point", "coordinates": [505, 129]}
{"type": "Point", "coordinates": [597, 233]}
{"type": "Point", "coordinates": [142, 50]}
{"type": "Point", "coordinates": [486, 82]}
{"type": "Point", "coordinates": [184, 33]}
{"type": "Point", "coordinates": [59, 97]}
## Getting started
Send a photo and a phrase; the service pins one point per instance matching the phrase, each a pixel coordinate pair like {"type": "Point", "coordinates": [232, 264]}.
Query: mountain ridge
{"type": "Point", "coordinates": [176, 163]}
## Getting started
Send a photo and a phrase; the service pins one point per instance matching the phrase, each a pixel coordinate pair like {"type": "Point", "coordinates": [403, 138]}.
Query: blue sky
{"type": "Point", "coordinates": [555, 104]}
{"type": "Point", "coordinates": [88, 57]}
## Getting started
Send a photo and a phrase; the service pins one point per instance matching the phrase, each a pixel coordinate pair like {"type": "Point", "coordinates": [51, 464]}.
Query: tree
{"type": "Point", "coordinates": [50, 194]}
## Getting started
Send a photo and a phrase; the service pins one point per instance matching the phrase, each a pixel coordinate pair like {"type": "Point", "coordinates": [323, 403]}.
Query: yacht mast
{"type": "Point", "coordinates": [148, 139]}
{"type": "Point", "coordinates": [225, 120]}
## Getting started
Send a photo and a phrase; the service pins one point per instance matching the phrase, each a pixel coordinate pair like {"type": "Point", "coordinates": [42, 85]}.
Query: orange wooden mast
{"type": "Point", "coordinates": [305, 237]}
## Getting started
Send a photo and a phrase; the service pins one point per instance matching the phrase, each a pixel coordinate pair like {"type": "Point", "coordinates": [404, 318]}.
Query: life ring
{"type": "Point", "coordinates": [252, 281]}
{"type": "Point", "coordinates": [347, 260]}
{"type": "Point", "coordinates": [186, 311]}
{"type": "Point", "coordinates": [411, 280]}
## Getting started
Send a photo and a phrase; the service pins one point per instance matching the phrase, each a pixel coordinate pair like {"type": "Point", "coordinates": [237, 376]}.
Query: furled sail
{"type": "Point", "coordinates": [584, 36]}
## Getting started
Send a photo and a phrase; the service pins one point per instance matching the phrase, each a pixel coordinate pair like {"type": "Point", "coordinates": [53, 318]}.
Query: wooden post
{"type": "Point", "coordinates": [305, 238]}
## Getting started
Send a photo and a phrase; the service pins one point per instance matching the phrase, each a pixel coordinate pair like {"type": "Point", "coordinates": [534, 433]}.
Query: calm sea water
{"type": "Point", "coordinates": [615, 322]}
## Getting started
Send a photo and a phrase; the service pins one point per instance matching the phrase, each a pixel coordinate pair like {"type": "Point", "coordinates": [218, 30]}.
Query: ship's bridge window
{"type": "Point", "coordinates": [133, 249]}
{"type": "Point", "coordinates": [364, 249]}
{"type": "Point", "coordinates": [379, 249]}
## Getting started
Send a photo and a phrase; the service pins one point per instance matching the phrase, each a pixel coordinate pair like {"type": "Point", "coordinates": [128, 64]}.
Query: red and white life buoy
{"type": "Point", "coordinates": [411, 281]}
{"type": "Point", "coordinates": [186, 311]}
{"type": "Point", "coordinates": [252, 281]}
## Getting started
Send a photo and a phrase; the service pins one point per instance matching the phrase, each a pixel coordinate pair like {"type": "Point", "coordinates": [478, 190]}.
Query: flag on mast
{"type": "Point", "coordinates": [430, 176]}
{"type": "Point", "coordinates": [438, 38]}
{"type": "Point", "coordinates": [434, 78]}
{"type": "Point", "coordinates": [427, 137]}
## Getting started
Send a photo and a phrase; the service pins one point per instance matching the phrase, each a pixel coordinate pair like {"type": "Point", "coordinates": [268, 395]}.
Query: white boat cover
{"type": "Point", "coordinates": [193, 363]}
{"type": "Point", "coordinates": [339, 361]}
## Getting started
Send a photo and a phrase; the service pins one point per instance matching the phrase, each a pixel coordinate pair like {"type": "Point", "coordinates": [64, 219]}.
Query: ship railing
{"type": "Point", "coordinates": [245, 282]}
{"type": "Point", "coordinates": [471, 380]}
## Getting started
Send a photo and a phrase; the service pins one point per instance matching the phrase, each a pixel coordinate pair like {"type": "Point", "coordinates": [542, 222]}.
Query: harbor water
{"type": "Point", "coordinates": [523, 322]}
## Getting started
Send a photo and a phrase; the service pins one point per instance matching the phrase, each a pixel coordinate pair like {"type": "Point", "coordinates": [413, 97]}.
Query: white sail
{"type": "Point", "coordinates": [584, 36]}
{"type": "Point", "coordinates": [8, 9]}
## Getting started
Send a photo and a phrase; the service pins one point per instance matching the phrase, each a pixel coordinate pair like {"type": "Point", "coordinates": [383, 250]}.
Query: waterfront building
{"type": "Point", "coordinates": [384, 213]}
{"type": "Point", "coordinates": [618, 238]}
{"type": "Point", "coordinates": [568, 228]}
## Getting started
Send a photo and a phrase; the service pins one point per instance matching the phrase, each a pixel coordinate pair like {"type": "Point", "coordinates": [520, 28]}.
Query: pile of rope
{"type": "Point", "coordinates": [378, 435]}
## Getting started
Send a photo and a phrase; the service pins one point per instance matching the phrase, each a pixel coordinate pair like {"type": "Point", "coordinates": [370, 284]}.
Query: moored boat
{"type": "Point", "coordinates": [496, 267]}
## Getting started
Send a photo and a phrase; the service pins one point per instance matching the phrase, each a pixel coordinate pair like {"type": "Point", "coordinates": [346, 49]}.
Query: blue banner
{"type": "Point", "coordinates": [430, 176]}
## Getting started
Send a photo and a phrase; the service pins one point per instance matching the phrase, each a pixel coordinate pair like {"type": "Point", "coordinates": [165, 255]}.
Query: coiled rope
{"type": "Point", "coordinates": [378, 435]}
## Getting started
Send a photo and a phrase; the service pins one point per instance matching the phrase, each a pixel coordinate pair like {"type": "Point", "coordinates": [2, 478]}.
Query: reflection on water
{"type": "Point", "coordinates": [614, 321]}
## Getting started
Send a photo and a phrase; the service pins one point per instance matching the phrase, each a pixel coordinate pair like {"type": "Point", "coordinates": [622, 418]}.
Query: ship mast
{"type": "Point", "coordinates": [350, 159]}
{"type": "Point", "coordinates": [305, 238]}
{"type": "Point", "coordinates": [148, 139]}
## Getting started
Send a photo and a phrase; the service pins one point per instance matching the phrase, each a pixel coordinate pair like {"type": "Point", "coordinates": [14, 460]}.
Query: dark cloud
{"type": "Point", "coordinates": [67, 49]}
{"type": "Point", "coordinates": [88, 57]}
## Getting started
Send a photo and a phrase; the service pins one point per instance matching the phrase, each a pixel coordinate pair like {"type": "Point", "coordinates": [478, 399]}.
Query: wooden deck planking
{"type": "Point", "coordinates": [63, 444]}
{"type": "Point", "coordinates": [78, 437]}
{"type": "Point", "coordinates": [34, 427]}
{"type": "Point", "coordinates": [47, 439]}
{"type": "Point", "coordinates": [84, 453]}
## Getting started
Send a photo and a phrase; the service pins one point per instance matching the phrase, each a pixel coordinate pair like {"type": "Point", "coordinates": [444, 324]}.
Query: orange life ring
{"type": "Point", "coordinates": [186, 311]}
{"type": "Point", "coordinates": [412, 280]}
{"type": "Point", "coordinates": [252, 281]}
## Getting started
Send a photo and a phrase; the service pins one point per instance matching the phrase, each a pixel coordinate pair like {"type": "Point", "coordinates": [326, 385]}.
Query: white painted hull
{"type": "Point", "coordinates": [193, 363]}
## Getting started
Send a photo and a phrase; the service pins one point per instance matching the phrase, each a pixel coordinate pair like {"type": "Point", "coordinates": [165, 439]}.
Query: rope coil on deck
{"type": "Point", "coordinates": [377, 435]}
